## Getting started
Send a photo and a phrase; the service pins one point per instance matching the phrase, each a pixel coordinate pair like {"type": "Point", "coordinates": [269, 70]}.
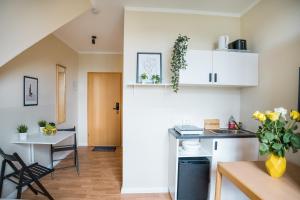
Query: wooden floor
{"type": "Point", "coordinates": [100, 178]}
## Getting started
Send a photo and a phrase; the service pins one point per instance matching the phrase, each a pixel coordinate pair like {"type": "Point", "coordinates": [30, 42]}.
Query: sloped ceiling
{"type": "Point", "coordinates": [107, 23]}
{"type": "Point", "coordinates": [24, 23]}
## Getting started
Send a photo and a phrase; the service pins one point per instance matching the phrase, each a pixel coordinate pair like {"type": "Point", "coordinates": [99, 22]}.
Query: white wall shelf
{"type": "Point", "coordinates": [149, 84]}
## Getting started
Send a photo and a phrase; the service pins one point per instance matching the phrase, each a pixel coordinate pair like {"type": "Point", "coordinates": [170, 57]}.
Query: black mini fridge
{"type": "Point", "coordinates": [193, 178]}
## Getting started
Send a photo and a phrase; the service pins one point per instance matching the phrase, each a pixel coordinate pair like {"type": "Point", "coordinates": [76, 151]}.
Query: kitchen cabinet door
{"type": "Point", "coordinates": [235, 68]}
{"type": "Point", "coordinates": [199, 68]}
{"type": "Point", "coordinates": [230, 150]}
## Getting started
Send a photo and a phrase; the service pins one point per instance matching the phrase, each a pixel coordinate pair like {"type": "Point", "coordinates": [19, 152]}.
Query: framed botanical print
{"type": "Point", "coordinates": [149, 68]}
{"type": "Point", "coordinates": [30, 91]}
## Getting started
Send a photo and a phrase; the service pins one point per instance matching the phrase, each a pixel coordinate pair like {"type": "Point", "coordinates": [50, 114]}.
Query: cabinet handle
{"type": "Point", "coordinates": [210, 77]}
{"type": "Point", "coordinates": [216, 77]}
{"type": "Point", "coordinates": [216, 145]}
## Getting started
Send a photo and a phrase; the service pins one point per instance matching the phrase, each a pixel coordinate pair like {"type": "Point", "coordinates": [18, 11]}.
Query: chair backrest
{"type": "Point", "coordinates": [67, 129]}
{"type": "Point", "coordinates": [10, 159]}
{"type": "Point", "coordinates": [5, 156]}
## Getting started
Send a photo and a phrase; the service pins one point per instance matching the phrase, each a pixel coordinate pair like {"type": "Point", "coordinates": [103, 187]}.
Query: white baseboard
{"type": "Point", "coordinates": [62, 155]}
{"type": "Point", "coordinates": [144, 190]}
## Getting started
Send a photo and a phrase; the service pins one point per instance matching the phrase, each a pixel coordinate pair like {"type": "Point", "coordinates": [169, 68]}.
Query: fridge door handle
{"type": "Point", "coordinates": [216, 145]}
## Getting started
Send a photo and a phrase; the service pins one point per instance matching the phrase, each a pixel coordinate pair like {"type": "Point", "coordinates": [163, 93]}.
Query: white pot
{"type": "Point", "coordinates": [23, 136]}
{"type": "Point", "coordinates": [41, 130]}
{"type": "Point", "coordinates": [144, 81]}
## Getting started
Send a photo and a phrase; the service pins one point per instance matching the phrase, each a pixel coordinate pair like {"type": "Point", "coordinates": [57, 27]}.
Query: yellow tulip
{"type": "Point", "coordinates": [261, 117]}
{"type": "Point", "coordinates": [273, 116]}
{"type": "Point", "coordinates": [295, 115]}
{"type": "Point", "coordinates": [255, 115]}
{"type": "Point", "coordinates": [268, 112]}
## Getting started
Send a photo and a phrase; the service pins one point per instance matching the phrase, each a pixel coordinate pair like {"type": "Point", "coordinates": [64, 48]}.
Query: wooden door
{"type": "Point", "coordinates": [104, 120]}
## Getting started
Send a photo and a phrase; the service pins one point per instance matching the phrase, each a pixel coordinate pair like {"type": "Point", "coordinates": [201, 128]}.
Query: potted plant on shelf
{"type": "Point", "coordinates": [155, 78]}
{"type": "Point", "coordinates": [277, 135]}
{"type": "Point", "coordinates": [22, 130]}
{"type": "Point", "coordinates": [144, 77]}
{"type": "Point", "coordinates": [42, 124]}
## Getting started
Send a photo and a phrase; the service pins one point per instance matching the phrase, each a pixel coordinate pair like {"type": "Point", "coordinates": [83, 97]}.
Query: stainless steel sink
{"type": "Point", "coordinates": [227, 131]}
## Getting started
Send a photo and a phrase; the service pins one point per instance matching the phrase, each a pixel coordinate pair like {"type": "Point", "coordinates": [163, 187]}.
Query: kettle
{"type": "Point", "coordinates": [223, 42]}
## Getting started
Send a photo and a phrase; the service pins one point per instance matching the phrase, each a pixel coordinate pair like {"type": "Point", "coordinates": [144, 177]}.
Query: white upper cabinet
{"type": "Point", "coordinates": [220, 68]}
{"type": "Point", "coordinates": [235, 68]}
{"type": "Point", "coordinates": [199, 68]}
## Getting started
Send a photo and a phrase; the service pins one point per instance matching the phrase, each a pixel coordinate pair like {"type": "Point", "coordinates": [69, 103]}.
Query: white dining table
{"type": "Point", "coordinates": [38, 138]}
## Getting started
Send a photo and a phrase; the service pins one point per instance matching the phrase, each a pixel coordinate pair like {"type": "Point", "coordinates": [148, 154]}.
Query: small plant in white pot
{"type": "Point", "coordinates": [155, 78]}
{"type": "Point", "coordinates": [42, 124]}
{"type": "Point", "coordinates": [22, 130]}
{"type": "Point", "coordinates": [144, 77]}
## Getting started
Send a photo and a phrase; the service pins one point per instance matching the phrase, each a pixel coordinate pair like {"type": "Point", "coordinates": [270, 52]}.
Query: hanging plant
{"type": "Point", "coordinates": [178, 61]}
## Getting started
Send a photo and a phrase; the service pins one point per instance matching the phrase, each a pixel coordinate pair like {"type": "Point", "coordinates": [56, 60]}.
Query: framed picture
{"type": "Point", "coordinates": [30, 91]}
{"type": "Point", "coordinates": [148, 66]}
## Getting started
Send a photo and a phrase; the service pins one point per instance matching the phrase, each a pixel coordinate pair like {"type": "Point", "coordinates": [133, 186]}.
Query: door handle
{"type": "Point", "coordinates": [216, 77]}
{"type": "Point", "coordinates": [210, 77]}
{"type": "Point", "coordinates": [216, 145]}
{"type": "Point", "coordinates": [117, 106]}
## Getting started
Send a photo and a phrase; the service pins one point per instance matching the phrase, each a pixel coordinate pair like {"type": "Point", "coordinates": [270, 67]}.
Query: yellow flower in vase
{"type": "Point", "coordinates": [262, 117]}
{"type": "Point", "coordinates": [255, 115]}
{"type": "Point", "coordinates": [273, 116]}
{"type": "Point", "coordinates": [259, 116]}
{"type": "Point", "coordinates": [295, 115]}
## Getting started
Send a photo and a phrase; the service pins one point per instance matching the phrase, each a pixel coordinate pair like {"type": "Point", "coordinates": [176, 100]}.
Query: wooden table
{"type": "Point", "coordinates": [253, 179]}
{"type": "Point", "coordinates": [38, 138]}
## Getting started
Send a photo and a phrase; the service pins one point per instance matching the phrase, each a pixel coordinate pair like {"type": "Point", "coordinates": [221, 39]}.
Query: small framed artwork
{"type": "Point", "coordinates": [30, 91]}
{"type": "Point", "coordinates": [149, 68]}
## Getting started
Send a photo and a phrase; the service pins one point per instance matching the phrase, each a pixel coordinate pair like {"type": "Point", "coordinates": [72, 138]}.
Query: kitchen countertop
{"type": "Point", "coordinates": [209, 135]}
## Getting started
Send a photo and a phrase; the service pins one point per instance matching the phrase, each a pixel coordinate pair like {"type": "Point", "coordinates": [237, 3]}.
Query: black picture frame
{"type": "Point", "coordinates": [33, 93]}
{"type": "Point", "coordinates": [138, 70]}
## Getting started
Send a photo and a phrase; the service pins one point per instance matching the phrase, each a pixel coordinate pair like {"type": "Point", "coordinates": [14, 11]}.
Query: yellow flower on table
{"type": "Point", "coordinates": [273, 116]}
{"type": "Point", "coordinates": [295, 115]}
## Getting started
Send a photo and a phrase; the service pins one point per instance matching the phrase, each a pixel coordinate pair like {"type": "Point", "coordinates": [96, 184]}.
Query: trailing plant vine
{"type": "Point", "coordinates": [178, 61]}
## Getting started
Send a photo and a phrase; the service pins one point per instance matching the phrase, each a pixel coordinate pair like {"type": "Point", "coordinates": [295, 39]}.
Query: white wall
{"type": "Point", "coordinates": [23, 22]}
{"type": "Point", "coordinates": [38, 61]}
{"type": "Point", "coordinates": [92, 63]}
{"type": "Point", "coordinates": [150, 111]}
{"type": "Point", "coordinates": [272, 29]}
